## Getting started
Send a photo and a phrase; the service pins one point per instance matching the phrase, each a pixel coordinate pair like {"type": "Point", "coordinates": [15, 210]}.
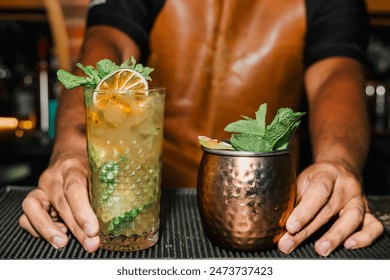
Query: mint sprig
{"type": "Point", "coordinates": [121, 222]}
{"type": "Point", "coordinates": [95, 74]}
{"type": "Point", "coordinates": [255, 136]}
{"type": "Point", "coordinates": [108, 172]}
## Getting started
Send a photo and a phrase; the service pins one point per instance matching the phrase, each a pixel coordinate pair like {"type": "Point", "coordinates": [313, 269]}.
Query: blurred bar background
{"type": "Point", "coordinates": [40, 36]}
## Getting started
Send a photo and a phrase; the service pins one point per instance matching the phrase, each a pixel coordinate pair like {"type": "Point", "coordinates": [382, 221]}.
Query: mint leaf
{"type": "Point", "coordinates": [133, 62]}
{"type": "Point", "coordinates": [105, 67]}
{"type": "Point", "coordinates": [69, 80]}
{"type": "Point", "coordinates": [139, 68]}
{"type": "Point", "coordinates": [95, 75]}
{"type": "Point", "coordinates": [248, 126]}
{"type": "Point", "coordinates": [94, 156]}
{"type": "Point", "coordinates": [260, 116]}
{"type": "Point", "coordinates": [108, 172]}
{"type": "Point", "coordinates": [126, 63]}
{"type": "Point", "coordinates": [144, 71]}
{"type": "Point", "coordinates": [90, 72]}
{"type": "Point", "coordinates": [250, 142]}
{"type": "Point", "coordinates": [119, 223]}
{"type": "Point", "coordinates": [279, 132]}
{"type": "Point", "coordinates": [253, 135]}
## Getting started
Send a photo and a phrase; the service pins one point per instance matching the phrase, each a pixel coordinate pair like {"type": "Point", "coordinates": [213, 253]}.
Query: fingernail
{"type": "Point", "coordinates": [58, 241]}
{"type": "Point", "coordinates": [295, 226]}
{"type": "Point", "coordinates": [63, 229]}
{"type": "Point", "coordinates": [89, 244]}
{"type": "Point", "coordinates": [88, 229]}
{"type": "Point", "coordinates": [324, 248]}
{"type": "Point", "coordinates": [286, 245]}
{"type": "Point", "coordinates": [350, 244]}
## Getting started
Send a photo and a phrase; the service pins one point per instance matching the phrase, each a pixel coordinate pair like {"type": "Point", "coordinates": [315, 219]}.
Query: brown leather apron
{"type": "Point", "coordinates": [220, 59]}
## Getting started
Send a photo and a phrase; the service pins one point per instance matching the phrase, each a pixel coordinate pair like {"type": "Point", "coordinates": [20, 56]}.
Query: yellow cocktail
{"type": "Point", "coordinates": [124, 136]}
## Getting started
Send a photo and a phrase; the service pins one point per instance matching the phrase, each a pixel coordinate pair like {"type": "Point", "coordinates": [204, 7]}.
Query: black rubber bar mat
{"type": "Point", "coordinates": [181, 236]}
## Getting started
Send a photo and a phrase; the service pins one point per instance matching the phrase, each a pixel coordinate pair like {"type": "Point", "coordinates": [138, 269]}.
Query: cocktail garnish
{"type": "Point", "coordinates": [103, 70]}
{"type": "Point", "coordinates": [254, 135]}
{"type": "Point", "coordinates": [119, 223]}
{"type": "Point", "coordinates": [210, 143]}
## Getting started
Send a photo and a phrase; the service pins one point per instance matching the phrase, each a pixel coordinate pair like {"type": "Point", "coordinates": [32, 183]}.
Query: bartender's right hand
{"type": "Point", "coordinates": [60, 202]}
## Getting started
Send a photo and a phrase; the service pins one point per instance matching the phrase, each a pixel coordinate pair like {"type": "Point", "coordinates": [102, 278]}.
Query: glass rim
{"type": "Point", "coordinates": [149, 89]}
{"type": "Point", "coordinates": [245, 153]}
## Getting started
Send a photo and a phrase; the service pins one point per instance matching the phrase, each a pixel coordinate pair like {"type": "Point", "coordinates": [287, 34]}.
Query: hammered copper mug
{"type": "Point", "coordinates": [245, 198]}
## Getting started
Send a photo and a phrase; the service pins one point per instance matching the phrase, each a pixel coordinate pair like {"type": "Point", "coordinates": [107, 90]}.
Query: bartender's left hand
{"type": "Point", "coordinates": [325, 191]}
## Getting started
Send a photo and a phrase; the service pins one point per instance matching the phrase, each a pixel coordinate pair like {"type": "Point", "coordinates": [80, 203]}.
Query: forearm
{"type": "Point", "coordinates": [100, 42]}
{"type": "Point", "coordinates": [338, 123]}
{"type": "Point", "coordinates": [70, 125]}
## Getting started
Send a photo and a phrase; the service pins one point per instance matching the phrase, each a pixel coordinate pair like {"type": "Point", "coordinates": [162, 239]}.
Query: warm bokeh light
{"type": "Point", "coordinates": [19, 133]}
{"type": "Point", "coordinates": [25, 124]}
{"type": "Point", "coordinates": [8, 123]}
{"type": "Point", "coordinates": [11, 123]}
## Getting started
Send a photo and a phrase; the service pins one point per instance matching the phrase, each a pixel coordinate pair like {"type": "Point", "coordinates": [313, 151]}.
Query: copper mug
{"type": "Point", "coordinates": [245, 198]}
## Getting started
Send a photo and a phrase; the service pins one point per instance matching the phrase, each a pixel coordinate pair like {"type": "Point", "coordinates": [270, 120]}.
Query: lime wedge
{"type": "Point", "coordinates": [216, 144]}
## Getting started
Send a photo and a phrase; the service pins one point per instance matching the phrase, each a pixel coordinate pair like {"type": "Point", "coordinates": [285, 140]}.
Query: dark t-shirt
{"type": "Point", "coordinates": [334, 28]}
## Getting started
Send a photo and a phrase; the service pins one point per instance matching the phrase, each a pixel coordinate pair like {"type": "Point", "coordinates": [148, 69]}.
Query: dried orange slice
{"type": "Point", "coordinates": [122, 79]}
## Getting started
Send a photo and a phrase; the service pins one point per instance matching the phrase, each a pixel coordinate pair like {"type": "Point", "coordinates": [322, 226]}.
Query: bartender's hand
{"type": "Point", "coordinates": [60, 202]}
{"type": "Point", "coordinates": [325, 191]}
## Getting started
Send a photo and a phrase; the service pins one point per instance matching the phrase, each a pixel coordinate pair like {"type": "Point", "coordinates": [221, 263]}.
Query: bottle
{"type": "Point", "coordinates": [5, 94]}
{"type": "Point", "coordinates": [24, 101]}
{"type": "Point", "coordinates": [43, 78]}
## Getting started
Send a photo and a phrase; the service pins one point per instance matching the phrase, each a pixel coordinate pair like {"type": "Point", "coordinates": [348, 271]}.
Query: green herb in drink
{"type": "Point", "coordinates": [119, 223]}
{"type": "Point", "coordinates": [108, 172]}
{"type": "Point", "coordinates": [95, 74]}
{"type": "Point", "coordinates": [254, 135]}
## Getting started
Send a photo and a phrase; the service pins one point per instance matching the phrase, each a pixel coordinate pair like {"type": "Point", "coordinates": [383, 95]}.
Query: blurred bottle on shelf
{"type": "Point", "coordinates": [48, 88]}
{"type": "Point", "coordinates": [5, 96]}
{"type": "Point", "coordinates": [378, 100]}
{"type": "Point", "coordinates": [24, 103]}
{"type": "Point", "coordinates": [382, 109]}
{"type": "Point", "coordinates": [55, 87]}
{"type": "Point", "coordinates": [43, 85]}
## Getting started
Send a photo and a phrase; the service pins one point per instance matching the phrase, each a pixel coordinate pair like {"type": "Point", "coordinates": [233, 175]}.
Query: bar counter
{"type": "Point", "coordinates": [181, 234]}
